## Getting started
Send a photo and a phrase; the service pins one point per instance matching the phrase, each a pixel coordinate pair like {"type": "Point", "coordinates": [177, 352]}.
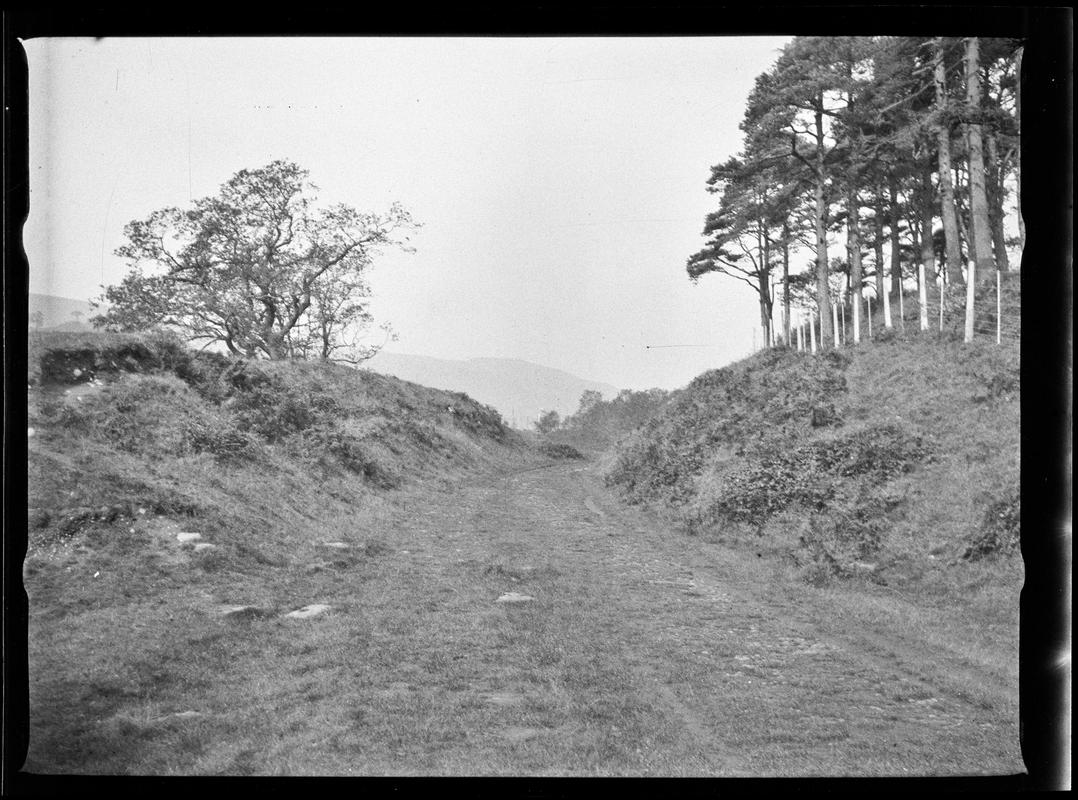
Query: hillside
{"type": "Point", "coordinates": [519, 389]}
{"type": "Point", "coordinates": [61, 313]}
{"type": "Point", "coordinates": [129, 428]}
{"type": "Point", "coordinates": [241, 568]}
{"type": "Point", "coordinates": [890, 460]}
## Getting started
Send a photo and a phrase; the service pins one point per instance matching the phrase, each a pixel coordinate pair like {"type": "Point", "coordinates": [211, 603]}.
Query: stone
{"type": "Point", "coordinates": [307, 611]}
{"type": "Point", "coordinates": [240, 612]}
{"type": "Point", "coordinates": [183, 537]}
{"type": "Point", "coordinates": [517, 734]}
{"type": "Point", "coordinates": [204, 546]}
{"type": "Point", "coordinates": [514, 597]}
{"type": "Point", "coordinates": [503, 699]}
{"type": "Point", "coordinates": [337, 545]}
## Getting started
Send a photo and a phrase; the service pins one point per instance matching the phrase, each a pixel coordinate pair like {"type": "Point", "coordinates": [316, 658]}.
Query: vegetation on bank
{"type": "Point", "coordinates": [121, 422]}
{"type": "Point", "coordinates": [876, 460]}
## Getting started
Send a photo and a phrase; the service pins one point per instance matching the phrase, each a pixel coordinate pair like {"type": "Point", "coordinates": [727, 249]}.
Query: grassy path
{"type": "Point", "coordinates": [644, 652]}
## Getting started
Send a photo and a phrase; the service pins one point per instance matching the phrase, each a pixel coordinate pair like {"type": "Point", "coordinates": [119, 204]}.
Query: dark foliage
{"type": "Point", "coordinates": [1000, 531]}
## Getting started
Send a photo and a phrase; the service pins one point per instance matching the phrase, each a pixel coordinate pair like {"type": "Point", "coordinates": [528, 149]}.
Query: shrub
{"type": "Point", "coordinates": [559, 450]}
{"type": "Point", "coordinates": [548, 421]}
{"type": "Point", "coordinates": [265, 404]}
{"type": "Point", "coordinates": [808, 475]}
{"type": "Point", "coordinates": [771, 396]}
{"type": "Point", "coordinates": [1000, 531]}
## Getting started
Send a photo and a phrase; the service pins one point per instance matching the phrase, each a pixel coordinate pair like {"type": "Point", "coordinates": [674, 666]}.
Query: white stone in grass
{"type": "Point", "coordinates": [181, 715]}
{"type": "Point", "coordinates": [228, 611]}
{"type": "Point", "coordinates": [514, 597]}
{"type": "Point", "coordinates": [337, 545]}
{"type": "Point", "coordinates": [204, 546]}
{"type": "Point", "coordinates": [307, 611]}
{"type": "Point", "coordinates": [183, 537]}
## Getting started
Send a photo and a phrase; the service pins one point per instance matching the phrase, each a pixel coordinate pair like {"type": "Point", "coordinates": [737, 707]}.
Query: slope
{"type": "Point", "coordinates": [519, 389]}
{"type": "Point", "coordinates": [896, 459]}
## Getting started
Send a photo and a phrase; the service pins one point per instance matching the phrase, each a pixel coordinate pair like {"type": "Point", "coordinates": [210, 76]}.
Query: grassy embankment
{"type": "Point", "coordinates": [287, 471]}
{"type": "Point", "coordinates": [906, 483]}
{"type": "Point", "coordinates": [895, 461]}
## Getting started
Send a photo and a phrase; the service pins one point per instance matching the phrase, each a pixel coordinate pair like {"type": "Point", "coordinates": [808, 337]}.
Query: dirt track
{"type": "Point", "coordinates": [750, 672]}
{"type": "Point", "coordinates": [643, 652]}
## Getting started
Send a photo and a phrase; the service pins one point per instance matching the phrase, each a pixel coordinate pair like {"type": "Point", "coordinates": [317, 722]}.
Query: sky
{"type": "Point", "coordinates": [560, 182]}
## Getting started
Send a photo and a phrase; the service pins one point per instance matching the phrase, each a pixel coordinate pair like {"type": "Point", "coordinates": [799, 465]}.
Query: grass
{"type": "Point", "coordinates": [642, 653]}
{"type": "Point", "coordinates": [916, 458]}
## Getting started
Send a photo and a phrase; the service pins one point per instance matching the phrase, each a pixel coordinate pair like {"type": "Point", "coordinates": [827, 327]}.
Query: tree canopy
{"type": "Point", "coordinates": [877, 138]}
{"type": "Point", "coordinates": [259, 268]}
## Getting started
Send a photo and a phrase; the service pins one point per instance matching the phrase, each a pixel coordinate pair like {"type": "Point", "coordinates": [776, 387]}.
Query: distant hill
{"type": "Point", "coordinates": [519, 389]}
{"type": "Point", "coordinates": [60, 313]}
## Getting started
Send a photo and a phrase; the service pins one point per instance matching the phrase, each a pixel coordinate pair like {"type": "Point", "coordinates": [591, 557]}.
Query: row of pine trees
{"type": "Point", "coordinates": [888, 157]}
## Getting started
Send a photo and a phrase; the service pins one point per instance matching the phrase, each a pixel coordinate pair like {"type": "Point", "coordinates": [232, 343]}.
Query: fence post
{"type": "Point", "coordinates": [812, 331]}
{"type": "Point", "coordinates": [970, 279]}
{"type": "Point", "coordinates": [943, 290]}
{"type": "Point", "coordinates": [922, 296]}
{"type": "Point", "coordinates": [999, 308]}
{"type": "Point", "coordinates": [834, 322]}
{"type": "Point", "coordinates": [901, 304]}
{"type": "Point", "coordinates": [869, 299]}
{"type": "Point", "coordinates": [856, 308]}
{"type": "Point", "coordinates": [886, 304]}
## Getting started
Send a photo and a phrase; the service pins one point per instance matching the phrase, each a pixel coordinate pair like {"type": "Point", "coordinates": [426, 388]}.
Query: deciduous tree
{"type": "Point", "coordinates": [259, 267]}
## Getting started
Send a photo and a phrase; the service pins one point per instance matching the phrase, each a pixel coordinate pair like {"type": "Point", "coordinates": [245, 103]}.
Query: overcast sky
{"type": "Point", "coordinates": [560, 181]}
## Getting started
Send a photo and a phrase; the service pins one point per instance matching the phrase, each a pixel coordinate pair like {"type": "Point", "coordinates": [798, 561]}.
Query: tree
{"type": "Point", "coordinates": [740, 242]}
{"type": "Point", "coordinates": [588, 400]}
{"type": "Point", "coordinates": [979, 219]}
{"type": "Point", "coordinates": [258, 268]}
{"type": "Point", "coordinates": [793, 102]}
{"type": "Point", "coordinates": [548, 422]}
{"type": "Point", "coordinates": [944, 119]}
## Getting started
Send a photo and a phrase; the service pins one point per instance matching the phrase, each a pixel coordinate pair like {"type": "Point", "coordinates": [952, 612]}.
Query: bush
{"type": "Point", "coordinates": [1000, 531]}
{"type": "Point", "coordinates": [558, 450]}
{"type": "Point", "coordinates": [548, 421]}
{"type": "Point", "coordinates": [749, 406]}
{"type": "Point", "coordinates": [265, 404]}
{"type": "Point", "coordinates": [808, 476]}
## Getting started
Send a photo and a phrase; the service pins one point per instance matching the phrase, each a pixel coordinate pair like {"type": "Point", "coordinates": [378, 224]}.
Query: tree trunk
{"type": "Point", "coordinates": [1018, 159]}
{"type": "Point", "coordinates": [786, 281]}
{"type": "Point", "coordinates": [881, 288]}
{"type": "Point", "coordinates": [982, 230]}
{"type": "Point", "coordinates": [765, 306]}
{"type": "Point", "coordinates": [896, 245]}
{"type": "Point", "coordinates": [996, 195]}
{"type": "Point", "coordinates": [823, 299]}
{"type": "Point", "coordinates": [928, 254]}
{"type": "Point", "coordinates": [943, 135]}
{"type": "Point", "coordinates": [853, 252]}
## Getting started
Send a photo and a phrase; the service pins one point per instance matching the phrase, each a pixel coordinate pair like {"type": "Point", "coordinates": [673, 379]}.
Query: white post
{"type": "Point", "coordinates": [869, 299]}
{"type": "Point", "coordinates": [922, 296]}
{"type": "Point", "coordinates": [999, 309]}
{"type": "Point", "coordinates": [886, 303]}
{"type": "Point", "coordinates": [970, 280]}
{"type": "Point", "coordinates": [834, 321]}
{"type": "Point", "coordinates": [856, 320]}
{"type": "Point", "coordinates": [842, 310]}
{"type": "Point", "coordinates": [943, 292]}
{"type": "Point", "coordinates": [812, 330]}
{"type": "Point", "coordinates": [901, 306]}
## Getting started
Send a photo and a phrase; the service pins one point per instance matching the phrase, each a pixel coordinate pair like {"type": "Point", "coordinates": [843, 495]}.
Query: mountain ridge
{"type": "Point", "coordinates": [517, 388]}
